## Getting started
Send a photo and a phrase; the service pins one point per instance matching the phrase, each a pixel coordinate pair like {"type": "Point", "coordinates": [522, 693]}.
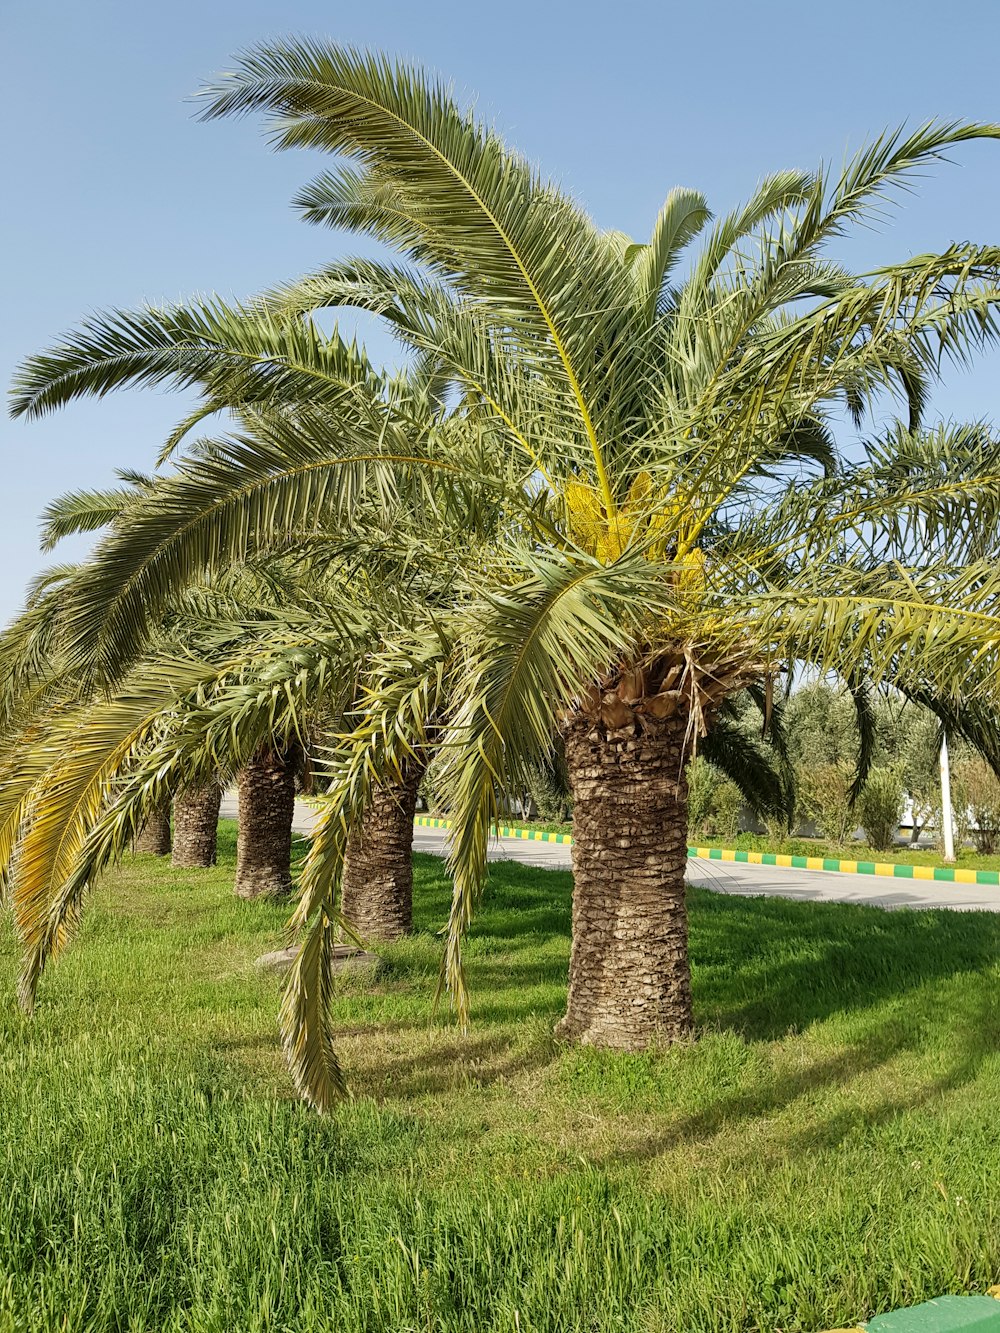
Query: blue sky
{"type": "Point", "coordinates": [114, 194]}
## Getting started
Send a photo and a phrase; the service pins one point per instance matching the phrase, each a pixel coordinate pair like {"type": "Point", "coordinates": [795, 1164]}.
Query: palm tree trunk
{"type": "Point", "coordinates": [266, 790]}
{"type": "Point", "coordinates": [196, 826]}
{"type": "Point", "coordinates": [629, 977]}
{"type": "Point", "coordinates": [154, 836]}
{"type": "Point", "coordinates": [378, 868]}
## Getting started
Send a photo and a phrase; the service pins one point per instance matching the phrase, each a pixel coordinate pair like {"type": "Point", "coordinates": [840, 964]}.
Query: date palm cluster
{"type": "Point", "coordinates": [601, 506]}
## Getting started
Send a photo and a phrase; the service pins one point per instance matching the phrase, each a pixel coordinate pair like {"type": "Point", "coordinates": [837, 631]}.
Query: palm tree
{"type": "Point", "coordinates": [377, 892]}
{"type": "Point", "coordinates": [154, 836]}
{"type": "Point", "coordinates": [196, 825]}
{"type": "Point", "coordinates": [266, 807]}
{"type": "Point", "coordinates": [261, 369]}
{"type": "Point", "coordinates": [659, 417]}
{"type": "Point", "coordinates": [638, 437]}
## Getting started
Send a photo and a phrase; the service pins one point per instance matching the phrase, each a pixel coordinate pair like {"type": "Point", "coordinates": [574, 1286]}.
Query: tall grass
{"type": "Point", "coordinates": [827, 1149]}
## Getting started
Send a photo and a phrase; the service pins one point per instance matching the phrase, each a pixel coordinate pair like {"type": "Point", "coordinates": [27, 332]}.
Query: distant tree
{"type": "Point", "coordinates": [821, 723]}
{"type": "Point", "coordinates": [979, 787]}
{"type": "Point", "coordinates": [548, 786]}
{"type": "Point", "coordinates": [919, 751]}
{"type": "Point", "coordinates": [828, 757]}
{"type": "Point", "coordinates": [728, 810]}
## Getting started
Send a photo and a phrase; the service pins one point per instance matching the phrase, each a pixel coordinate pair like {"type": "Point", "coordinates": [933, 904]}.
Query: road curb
{"type": "Point", "coordinates": [504, 831]}
{"type": "Point", "coordinates": [880, 869]}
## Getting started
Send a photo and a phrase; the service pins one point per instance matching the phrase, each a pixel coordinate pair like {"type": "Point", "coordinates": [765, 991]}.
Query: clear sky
{"type": "Point", "coordinates": [113, 194]}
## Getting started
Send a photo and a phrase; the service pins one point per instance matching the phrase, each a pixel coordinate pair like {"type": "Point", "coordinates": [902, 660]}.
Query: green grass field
{"type": "Point", "coordinates": [827, 1149]}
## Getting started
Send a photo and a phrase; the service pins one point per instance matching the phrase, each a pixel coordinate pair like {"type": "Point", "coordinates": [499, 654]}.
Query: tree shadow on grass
{"type": "Point", "coordinates": [764, 966]}
{"type": "Point", "coordinates": [761, 966]}
{"type": "Point", "coordinates": [449, 1063]}
{"type": "Point", "coordinates": [731, 1110]}
{"type": "Point", "coordinates": [948, 1009]}
{"type": "Point", "coordinates": [860, 1074]}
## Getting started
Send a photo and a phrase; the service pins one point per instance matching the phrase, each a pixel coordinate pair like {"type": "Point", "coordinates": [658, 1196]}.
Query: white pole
{"type": "Point", "coordinates": [947, 822]}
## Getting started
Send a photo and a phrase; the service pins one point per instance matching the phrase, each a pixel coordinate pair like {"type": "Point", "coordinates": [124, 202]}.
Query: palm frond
{"type": "Point", "coordinates": [932, 626]}
{"type": "Point", "coordinates": [305, 1008]}
{"type": "Point", "coordinates": [867, 724]}
{"type": "Point", "coordinates": [237, 355]}
{"type": "Point", "coordinates": [682, 217]}
{"type": "Point", "coordinates": [251, 493]}
{"type": "Point", "coordinates": [82, 511]}
{"type": "Point", "coordinates": [473, 212]}
{"type": "Point", "coordinates": [754, 767]}
{"type": "Point", "coordinates": [66, 775]}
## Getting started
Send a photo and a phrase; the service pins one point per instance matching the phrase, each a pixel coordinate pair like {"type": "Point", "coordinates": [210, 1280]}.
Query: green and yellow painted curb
{"type": "Point", "coordinates": [886, 869]}
{"type": "Point", "coordinates": [883, 869]}
{"type": "Point", "coordinates": [503, 831]}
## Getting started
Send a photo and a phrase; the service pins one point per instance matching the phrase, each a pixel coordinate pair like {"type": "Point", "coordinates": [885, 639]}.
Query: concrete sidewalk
{"type": "Point", "coordinates": [726, 876]}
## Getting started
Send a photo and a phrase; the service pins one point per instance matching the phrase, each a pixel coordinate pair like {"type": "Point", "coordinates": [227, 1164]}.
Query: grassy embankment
{"type": "Point", "coordinates": [829, 1147]}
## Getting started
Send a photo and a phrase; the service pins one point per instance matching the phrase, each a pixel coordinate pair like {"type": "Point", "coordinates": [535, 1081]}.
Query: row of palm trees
{"type": "Point", "coordinates": [603, 501]}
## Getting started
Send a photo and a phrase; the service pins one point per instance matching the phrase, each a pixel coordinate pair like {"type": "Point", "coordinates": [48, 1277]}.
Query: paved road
{"type": "Point", "coordinates": [777, 881]}
{"type": "Point", "coordinates": [730, 877]}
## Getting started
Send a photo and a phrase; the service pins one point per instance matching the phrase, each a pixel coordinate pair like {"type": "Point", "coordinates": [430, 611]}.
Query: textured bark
{"type": "Point", "coordinates": [266, 791]}
{"type": "Point", "coordinates": [629, 977]}
{"type": "Point", "coordinates": [196, 826]}
{"type": "Point", "coordinates": [378, 867]}
{"type": "Point", "coordinates": [154, 836]}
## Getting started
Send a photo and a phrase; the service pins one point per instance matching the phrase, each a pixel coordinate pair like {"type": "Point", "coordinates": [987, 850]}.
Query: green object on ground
{"type": "Point", "coordinates": [947, 1314]}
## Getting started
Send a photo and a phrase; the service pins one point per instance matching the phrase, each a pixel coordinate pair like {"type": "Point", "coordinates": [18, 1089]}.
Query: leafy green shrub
{"type": "Point", "coordinates": [548, 787]}
{"type": "Point", "coordinates": [880, 807]}
{"type": "Point", "coordinates": [778, 831]}
{"type": "Point", "coordinates": [714, 803]}
{"type": "Point", "coordinates": [728, 809]}
{"type": "Point", "coordinates": [825, 795]}
{"type": "Point", "coordinates": [702, 782]}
